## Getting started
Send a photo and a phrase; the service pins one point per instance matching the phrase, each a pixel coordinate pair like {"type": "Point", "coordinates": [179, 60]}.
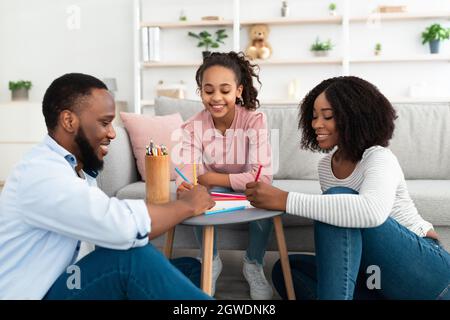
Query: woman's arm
{"type": "Point", "coordinates": [370, 208]}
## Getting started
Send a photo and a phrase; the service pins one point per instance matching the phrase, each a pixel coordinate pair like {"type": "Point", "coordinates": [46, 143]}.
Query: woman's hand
{"type": "Point", "coordinates": [432, 234]}
{"type": "Point", "coordinates": [265, 196]}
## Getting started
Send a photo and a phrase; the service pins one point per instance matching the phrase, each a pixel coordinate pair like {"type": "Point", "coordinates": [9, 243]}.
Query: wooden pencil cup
{"type": "Point", "coordinates": [157, 179]}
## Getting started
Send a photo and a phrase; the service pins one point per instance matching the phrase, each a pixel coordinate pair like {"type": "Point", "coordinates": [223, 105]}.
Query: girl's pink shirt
{"type": "Point", "coordinates": [238, 152]}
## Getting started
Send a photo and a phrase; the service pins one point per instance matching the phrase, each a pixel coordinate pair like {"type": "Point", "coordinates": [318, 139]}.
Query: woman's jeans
{"type": "Point", "coordinates": [384, 262]}
{"type": "Point", "coordinates": [137, 273]}
{"type": "Point", "coordinates": [259, 235]}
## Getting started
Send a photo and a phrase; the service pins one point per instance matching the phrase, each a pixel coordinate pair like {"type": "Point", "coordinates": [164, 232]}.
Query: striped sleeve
{"type": "Point", "coordinates": [370, 208]}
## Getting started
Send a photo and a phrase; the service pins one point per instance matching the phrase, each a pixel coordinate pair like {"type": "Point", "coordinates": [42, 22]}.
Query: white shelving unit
{"type": "Point", "coordinates": [345, 61]}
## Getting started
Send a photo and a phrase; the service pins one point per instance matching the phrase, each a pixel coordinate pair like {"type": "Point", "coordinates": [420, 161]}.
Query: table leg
{"type": "Point", "coordinates": [208, 243]}
{"type": "Point", "coordinates": [168, 244]}
{"type": "Point", "coordinates": [284, 257]}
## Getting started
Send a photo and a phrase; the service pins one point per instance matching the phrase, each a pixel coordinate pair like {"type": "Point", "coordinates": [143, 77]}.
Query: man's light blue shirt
{"type": "Point", "coordinates": [46, 209]}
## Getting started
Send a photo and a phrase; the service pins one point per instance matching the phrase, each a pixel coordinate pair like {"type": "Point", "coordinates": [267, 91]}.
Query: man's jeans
{"type": "Point", "coordinates": [347, 261]}
{"type": "Point", "coordinates": [258, 236]}
{"type": "Point", "coordinates": [137, 273]}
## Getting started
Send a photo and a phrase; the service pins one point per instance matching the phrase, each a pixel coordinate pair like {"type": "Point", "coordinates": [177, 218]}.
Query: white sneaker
{"type": "Point", "coordinates": [260, 288]}
{"type": "Point", "coordinates": [216, 270]}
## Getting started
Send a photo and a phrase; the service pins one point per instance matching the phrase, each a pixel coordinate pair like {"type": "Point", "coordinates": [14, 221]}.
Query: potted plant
{"type": "Point", "coordinates": [433, 35]}
{"type": "Point", "coordinates": [332, 8]}
{"type": "Point", "coordinates": [378, 49]}
{"type": "Point", "coordinates": [321, 49]}
{"type": "Point", "coordinates": [206, 40]}
{"type": "Point", "coordinates": [19, 89]}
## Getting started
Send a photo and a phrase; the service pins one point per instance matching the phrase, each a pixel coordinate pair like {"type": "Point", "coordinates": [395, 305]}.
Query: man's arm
{"type": "Point", "coordinates": [191, 203]}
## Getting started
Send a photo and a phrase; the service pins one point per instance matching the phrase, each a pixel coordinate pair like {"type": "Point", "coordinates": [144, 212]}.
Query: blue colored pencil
{"type": "Point", "coordinates": [182, 175]}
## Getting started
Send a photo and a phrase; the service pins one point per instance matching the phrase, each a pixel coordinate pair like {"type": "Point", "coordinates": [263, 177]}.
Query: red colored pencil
{"type": "Point", "coordinates": [227, 195]}
{"type": "Point", "coordinates": [258, 173]}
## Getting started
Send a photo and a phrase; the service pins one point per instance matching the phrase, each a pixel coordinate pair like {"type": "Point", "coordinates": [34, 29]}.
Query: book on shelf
{"type": "Point", "coordinates": [150, 44]}
{"type": "Point", "coordinates": [153, 42]}
{"type": "Point", "coordinates": [144, 44]}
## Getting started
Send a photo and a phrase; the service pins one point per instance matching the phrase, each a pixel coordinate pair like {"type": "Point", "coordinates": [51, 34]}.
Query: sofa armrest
{"type": "Point", "coordinates": [119, 168]}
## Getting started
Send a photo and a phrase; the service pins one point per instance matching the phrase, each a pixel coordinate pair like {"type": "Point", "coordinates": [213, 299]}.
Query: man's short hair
{"type": "Point", "coordinates": [67, 93]}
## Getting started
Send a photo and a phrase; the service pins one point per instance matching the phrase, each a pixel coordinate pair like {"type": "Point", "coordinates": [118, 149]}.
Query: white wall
{"type": "Point", "coordinates": [36, 43]}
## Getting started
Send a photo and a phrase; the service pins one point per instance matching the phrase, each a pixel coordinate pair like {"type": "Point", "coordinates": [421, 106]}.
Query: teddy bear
{"type": "Point", "coordinates": [259, 47]}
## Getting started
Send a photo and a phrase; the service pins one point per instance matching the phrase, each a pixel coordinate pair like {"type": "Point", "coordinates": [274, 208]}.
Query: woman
{"type": "Point", "coordinates": [366, 224]}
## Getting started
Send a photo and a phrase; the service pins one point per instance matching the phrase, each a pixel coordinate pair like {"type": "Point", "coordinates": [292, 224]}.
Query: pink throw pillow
{"type": "Point", "coordinates": [142, 128]}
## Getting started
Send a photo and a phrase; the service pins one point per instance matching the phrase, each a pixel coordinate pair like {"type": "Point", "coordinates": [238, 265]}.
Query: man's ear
{"type": "Point", "coordinates": [69, 121]}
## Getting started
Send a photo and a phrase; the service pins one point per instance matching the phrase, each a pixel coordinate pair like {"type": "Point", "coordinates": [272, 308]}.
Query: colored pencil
{"type": "Point", "coordinates": [258, 173]}
{"type": "Point", "coordinates": [182, 175]}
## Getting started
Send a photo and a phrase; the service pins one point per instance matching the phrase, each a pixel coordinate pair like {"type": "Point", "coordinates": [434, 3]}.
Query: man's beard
{"type": "Point", "coordinates": [90, 160]}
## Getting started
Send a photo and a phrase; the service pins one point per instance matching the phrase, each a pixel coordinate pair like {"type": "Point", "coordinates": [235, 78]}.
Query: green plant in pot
{"type": "Point", "coordinates": [207, 41]}
{"type": "Point", "coordinates": [19, 89]}
{"type": "Point", "coordinates": [332, 8]}
{"type": "Point", "coordinates": [321, 48]}
{"type": "Point", "coordinates": [378, 49]}
{"type": "Point", "coordinates": [434, 34]}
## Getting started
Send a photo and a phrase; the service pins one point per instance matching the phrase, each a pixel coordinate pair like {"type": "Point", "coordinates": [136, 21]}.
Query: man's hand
{"type": "Point", "coordinates": [184, 186]}
{"type": "Point", "coordinates": [198, 199]}
{"type": "Point", "coordinates": [265, 196]}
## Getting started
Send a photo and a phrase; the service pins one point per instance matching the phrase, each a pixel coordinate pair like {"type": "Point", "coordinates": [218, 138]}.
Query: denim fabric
{"type": "Point", "coordinates": [137, 273]}
{"type": "Point", "coordinates": [259, 236]}
{"type": "Point", "coordinates": [410, 267]}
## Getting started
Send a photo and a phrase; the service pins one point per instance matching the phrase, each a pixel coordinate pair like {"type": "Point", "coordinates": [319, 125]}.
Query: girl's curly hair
{"type": "Point", "coordinates": [243, 70]}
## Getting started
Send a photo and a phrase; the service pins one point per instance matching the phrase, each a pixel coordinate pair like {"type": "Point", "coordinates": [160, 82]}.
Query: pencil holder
{"type": "Point", "coordinates": [157, 179]}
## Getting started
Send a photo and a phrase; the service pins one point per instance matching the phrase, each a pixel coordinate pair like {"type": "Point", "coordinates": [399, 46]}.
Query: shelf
{"type": "Point", "coordinates": [414, 58]}
{"type": "Point", "coordinates": [318, 60]}
{"type": "Point", "coordinates": [418, 99]}
{"type": "Point", "coordinates": [293, 21]}
{"type": "Point", "coordinates": [185, 24]}
{"type": "Point", "coordinates": [171, 64]}
{"type": "Point", "coordinates": [401, 16]}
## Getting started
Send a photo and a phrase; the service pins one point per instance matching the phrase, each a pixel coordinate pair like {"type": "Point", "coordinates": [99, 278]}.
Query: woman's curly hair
{"type": "Point", "coordinates": [364, 116]}
{"type": "Point", "coordinates": [243, 70]}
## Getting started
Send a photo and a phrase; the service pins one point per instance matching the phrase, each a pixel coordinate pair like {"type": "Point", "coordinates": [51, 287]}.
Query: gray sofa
{"type": "Point", "coordinates": [421, 143]}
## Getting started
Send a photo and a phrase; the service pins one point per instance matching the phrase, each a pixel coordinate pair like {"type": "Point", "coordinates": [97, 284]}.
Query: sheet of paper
{"type": "Point", "coordinates": [223, 205]}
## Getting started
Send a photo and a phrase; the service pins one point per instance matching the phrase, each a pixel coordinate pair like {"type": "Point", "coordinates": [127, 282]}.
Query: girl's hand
{"type": "Point", "coordinates": [184, 186]}
{"type": "Point", "coordinates": [265, 196]}
{"type": "Point", "coordinates": [206, 180]}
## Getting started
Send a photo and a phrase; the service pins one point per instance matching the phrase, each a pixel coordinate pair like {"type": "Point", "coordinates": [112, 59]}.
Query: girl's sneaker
{"type": "Point", "coordinates": [260, 288]}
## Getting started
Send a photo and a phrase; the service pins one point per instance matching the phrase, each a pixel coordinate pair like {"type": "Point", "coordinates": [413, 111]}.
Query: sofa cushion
{"type": "Point", "coordinates": [421, 140]}
{"type": "Point", "coordinates": [119, 169]}
{"type": "Point", "coordinates": [289, 161]}
{"type": "Point", "coordinates": [142, 128]}
{"type": "Point", "coordinates": [186, 108]}
{"type": "Point", "coordinates": [432, 200]}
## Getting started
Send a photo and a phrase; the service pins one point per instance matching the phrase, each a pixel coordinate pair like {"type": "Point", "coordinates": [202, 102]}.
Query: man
{"type": "Point", "coordinates": [51, 202]}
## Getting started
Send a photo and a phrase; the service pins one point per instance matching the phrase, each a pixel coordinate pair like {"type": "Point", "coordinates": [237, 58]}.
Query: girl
{"type": "Point", "coordinates": [229, 140]}
{"type": "Point", "coordinates": [366, 224]}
